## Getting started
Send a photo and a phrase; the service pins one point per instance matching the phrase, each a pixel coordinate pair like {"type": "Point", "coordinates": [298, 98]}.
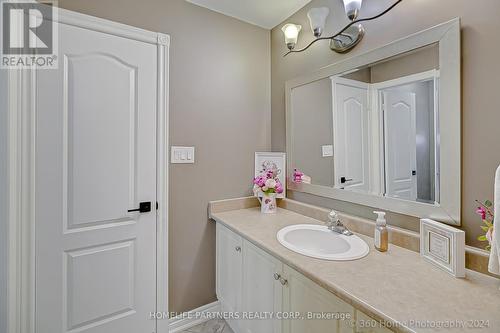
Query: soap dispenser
{"type": "Point", "coordinates": [381, 233]}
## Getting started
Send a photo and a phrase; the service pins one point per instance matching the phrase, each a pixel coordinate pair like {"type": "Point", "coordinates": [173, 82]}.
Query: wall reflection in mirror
{"type": "Point", "coordinates": [373, 129]}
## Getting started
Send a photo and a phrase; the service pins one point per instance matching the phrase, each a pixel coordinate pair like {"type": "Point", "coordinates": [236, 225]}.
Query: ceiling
{"type": "Point", "coordinates": [264, 13]}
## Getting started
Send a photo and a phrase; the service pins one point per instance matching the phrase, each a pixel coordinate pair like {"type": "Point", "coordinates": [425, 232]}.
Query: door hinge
{"type": "Point", "coordinates": [157, 205]}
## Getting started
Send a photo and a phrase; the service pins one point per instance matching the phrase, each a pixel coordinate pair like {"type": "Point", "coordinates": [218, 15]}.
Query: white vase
{"type": "Point", "coordinates": [268, 203]}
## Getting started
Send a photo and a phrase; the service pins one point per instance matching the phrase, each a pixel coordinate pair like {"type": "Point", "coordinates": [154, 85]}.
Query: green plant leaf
{"type": "Point", "coordinates": [488, 203]}
{"type": "Point", "coordinates": [485, 229]}
{"type": "Point", "coordinates": [488, 223]}
{"type": "Point", "coordinates": [482, 238]}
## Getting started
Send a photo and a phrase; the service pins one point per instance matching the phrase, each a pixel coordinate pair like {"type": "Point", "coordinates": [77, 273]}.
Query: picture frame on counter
{"type": "Point", "coordinates": [443, 246]}
{"type": "Point", "coordinates": [279, 159]}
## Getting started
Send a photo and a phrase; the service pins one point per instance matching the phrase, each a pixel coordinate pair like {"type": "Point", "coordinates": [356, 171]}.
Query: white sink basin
{"type": "Point", "coordinates": [319, 242]}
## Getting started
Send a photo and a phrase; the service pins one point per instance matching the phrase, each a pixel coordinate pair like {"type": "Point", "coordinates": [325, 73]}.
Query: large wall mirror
{"type": "Point", "coordinates": [382, 129]}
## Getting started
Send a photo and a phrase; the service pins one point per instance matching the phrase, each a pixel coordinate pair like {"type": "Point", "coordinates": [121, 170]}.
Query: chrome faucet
{"type": "Point", "coordinates": [334, 224]}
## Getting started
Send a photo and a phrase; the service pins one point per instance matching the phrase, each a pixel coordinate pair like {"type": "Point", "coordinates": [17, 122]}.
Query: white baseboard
{"type": "Point", "coordinates": [193, 317]}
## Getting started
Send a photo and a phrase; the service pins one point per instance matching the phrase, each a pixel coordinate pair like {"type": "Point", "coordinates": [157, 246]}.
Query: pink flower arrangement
{"type": "Point", "coordinates": [297, 176]}
{"type": "Point", "coordinates": [485, 211]}
{"type": "Point", "coordinates": [481, 212]}
{"type": "Point", "coordinates": [268, 180]}
{"type": "Point", "coordinates": [300, 177]}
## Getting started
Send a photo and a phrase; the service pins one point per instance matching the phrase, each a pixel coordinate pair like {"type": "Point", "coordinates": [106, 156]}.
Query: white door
{"type": "Point", "coordinates": [262, 290]}
{"type": "Point", "coordinates": [95, 160]}
{"type": "Point", "coordinates": [228, 271]}
{"type": "Point", "coordinates": [350, 128]}
{"type": "Point", "coordinates": [400, 144]}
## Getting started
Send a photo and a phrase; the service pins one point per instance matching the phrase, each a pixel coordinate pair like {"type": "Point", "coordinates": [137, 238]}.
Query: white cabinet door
{"type": "Point", "coordinates": [247, 285]}
{"type": "Point", "coordinates": [350, 129]}
{"type": "Point", "coordinates": [96, 160]}
{"type": "Point", "coordinates": [303, 296]}
{"type": "Point", "coordinates": [229, 269]}
{"type": "Point", "coordinates": [261, 290]}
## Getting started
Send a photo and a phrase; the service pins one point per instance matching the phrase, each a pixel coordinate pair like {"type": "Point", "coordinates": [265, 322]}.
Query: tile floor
{"type": "Point", "coordinates": [211, 326]}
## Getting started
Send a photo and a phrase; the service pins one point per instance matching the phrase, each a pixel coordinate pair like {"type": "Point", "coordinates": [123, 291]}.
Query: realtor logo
{"type": "Point", "coordinates": [29, 34]}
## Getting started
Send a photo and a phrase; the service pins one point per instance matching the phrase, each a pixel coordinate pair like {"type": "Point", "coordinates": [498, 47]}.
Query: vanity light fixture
{"type": "Point", "coordinates": [352, 35]}
{"type": "Point", "coordinates": [291, 32]}
{"type": "Point", "coordinates": [317, 19]}
{"type": "Point", "coordinates": [344, 40]}
{"type": "Point", "coordinates": [352, 8]}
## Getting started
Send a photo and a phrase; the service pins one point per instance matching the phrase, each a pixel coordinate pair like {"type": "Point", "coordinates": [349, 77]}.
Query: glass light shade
{"type": "Point", "coordinates": [352, 8]}
{"type": "Point", "coordinates": [317, 19]}
{"type": "Point", "coordinates": [291, 32]}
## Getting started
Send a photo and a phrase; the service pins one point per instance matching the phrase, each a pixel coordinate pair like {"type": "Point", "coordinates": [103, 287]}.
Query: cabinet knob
{"type": "Point", "coordinates": [278, 277]}
{"type": "Point", "coordinates": [238, 248]}
{"type": "Point", "coordinates": [283, 281]}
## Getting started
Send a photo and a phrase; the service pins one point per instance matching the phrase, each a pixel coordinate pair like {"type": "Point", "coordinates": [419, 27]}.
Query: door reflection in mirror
{"type": "Point", "coordinates": [382, 121]}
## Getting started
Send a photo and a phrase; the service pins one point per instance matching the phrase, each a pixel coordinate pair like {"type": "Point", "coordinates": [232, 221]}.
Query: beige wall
{"type": "Point", "coordinates": [423, 60]}
{"type": "Point", "coordinates": [219, 103]}
{"type": "Point", "coordinates": [418, 61]}
{"type": "Point", "coordinates": [362, 75]}
{"type": "Point", "coordinates": [312, 119]}
{"type": "Point", "coordinates": [480, 115]}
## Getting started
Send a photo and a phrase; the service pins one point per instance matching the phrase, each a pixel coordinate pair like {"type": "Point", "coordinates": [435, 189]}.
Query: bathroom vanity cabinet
{"type": "Point", "coordinates": [258, 293]}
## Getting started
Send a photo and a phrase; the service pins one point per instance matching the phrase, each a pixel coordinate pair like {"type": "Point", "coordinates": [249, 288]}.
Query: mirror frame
{"type": "Point", "coordinates": [448, 210]}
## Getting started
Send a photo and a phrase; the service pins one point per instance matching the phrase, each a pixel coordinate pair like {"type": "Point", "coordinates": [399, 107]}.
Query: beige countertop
{"type": "Point", "coordinates": [395, 287]}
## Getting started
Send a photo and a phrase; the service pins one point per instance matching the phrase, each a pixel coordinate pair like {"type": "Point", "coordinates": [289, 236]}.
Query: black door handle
{"type": "Point", "coordinates": [344, 180]}
{"type": "Point", "coordinates": [144, 207]}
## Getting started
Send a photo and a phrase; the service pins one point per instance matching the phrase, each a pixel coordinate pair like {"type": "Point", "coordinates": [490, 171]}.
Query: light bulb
{"type": "Point", "coordinates": [317, 19]}
{"type": "Point", "coordinates": [352, 8]}
{"type": "Point", "coordinates": [291, 32]}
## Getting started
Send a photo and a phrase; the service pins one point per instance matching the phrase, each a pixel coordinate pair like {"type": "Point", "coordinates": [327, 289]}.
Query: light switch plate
{"type": "Point", "coordinates": [181, 155]}
{"type": "Point", "coordinates": [327, 150]}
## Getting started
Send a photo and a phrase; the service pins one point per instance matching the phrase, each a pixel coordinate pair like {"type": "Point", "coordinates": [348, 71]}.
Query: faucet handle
{"type": "Point", "coordinates": [333, 216]}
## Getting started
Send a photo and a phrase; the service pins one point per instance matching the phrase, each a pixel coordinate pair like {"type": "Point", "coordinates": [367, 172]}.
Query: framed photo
{"type": "Point", "coordinates": [265, 160]}
{"type": "Point", "coordinates": [443, 246]}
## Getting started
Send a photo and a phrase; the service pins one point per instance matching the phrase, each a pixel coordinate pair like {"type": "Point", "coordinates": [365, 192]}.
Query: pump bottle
{"type": "Point", "coordinates": [381, 233]}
